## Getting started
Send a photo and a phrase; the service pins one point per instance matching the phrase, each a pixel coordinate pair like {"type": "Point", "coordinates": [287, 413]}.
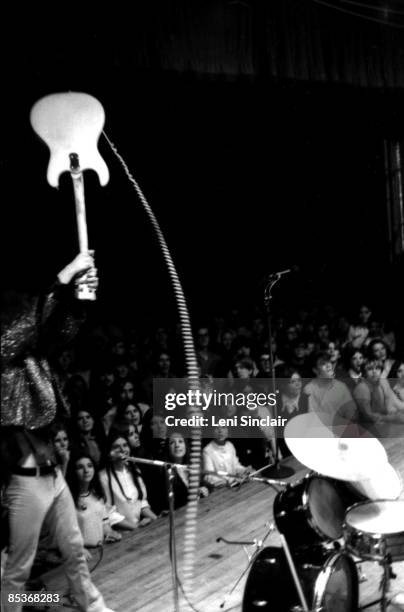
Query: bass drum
{"type": "Point", "coordinates": [329, 581]}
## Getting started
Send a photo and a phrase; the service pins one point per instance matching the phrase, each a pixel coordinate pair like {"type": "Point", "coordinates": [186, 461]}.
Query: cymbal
{"type": "Point", "coordinates": [385, 483]}
{"type": "Point", "coordinates": [327, 450]}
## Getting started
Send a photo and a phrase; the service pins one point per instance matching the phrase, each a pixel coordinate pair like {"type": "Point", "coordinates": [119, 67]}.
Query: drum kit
{"type": "Point", "coordinates": [344, 512]}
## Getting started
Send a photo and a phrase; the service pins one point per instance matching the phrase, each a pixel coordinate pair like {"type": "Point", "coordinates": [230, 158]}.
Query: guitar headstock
{"type": "Point", "coordinates": [70, 123]}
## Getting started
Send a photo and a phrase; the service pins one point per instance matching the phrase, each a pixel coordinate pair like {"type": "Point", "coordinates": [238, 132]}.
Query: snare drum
{"type": "Point", "coordinates": [373, 530]}
{"type": "Point", "coordinates": [311, 511]}
{"type": "Point", "coordinates": [329, 582]}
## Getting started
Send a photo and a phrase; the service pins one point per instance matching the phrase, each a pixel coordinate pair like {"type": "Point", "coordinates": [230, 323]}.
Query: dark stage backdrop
{"type": "Point", "coordinates": [245, 176]}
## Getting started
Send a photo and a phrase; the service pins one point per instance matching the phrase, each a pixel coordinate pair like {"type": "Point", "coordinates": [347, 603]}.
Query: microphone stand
{"type": "Point", "coordinates": [169, 474]}
{"type": "Point", "coordinates": [276, 470]}
{"type": "Point", "coordinates": [169, 470]}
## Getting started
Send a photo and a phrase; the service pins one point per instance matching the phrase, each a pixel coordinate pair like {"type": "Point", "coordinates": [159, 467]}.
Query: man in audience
{"type": "Point", "coordinates": [329, 398]}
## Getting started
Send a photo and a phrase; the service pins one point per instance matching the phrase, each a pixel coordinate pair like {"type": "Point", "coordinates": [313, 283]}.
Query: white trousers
{"type": "Point", "coordinates": [31, 500]}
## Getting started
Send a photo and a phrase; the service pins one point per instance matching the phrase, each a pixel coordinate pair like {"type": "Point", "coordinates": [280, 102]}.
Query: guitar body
{"type": "Point", "coordinates": [70, 123]}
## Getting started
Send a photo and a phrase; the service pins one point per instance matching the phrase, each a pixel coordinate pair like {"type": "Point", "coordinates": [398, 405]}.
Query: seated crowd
{"type": "Point", "coordinates": [108, 388]}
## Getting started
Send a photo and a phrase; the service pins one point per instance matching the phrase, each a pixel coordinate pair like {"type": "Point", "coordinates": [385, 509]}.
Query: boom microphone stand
{"type": "Point", "coordinates": [276, 470]}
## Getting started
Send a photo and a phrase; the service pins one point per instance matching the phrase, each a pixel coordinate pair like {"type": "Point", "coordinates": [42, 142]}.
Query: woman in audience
{"type": "Point", "coordinates": [379, 350]}
{"type": "Point", "coordinates": [95, 521]}
{"type": "Point", "coordinates": [333, 350]}
{"type": "Point", "coordinates": [123, 485]}
{"type": "Point", "coordinates": [87, 436]}
{"type": "Point", "coordinates": [220, 456]}
{"type": "Point", "coordinates": [397, 375]}
{"type": "Point", "coordinates": [177, 453]}
{"type": "Point", "coordinates": [128, 413]}
{"type": "Point", "coordinates": [137, 449]}
{"type": "Point", "coordinates": [291, 402]}
{"type": "Point", "coordinates": [376, 400]}
{"type": "Point", "coordinates": [61, 446]}
{"type": "Point", "coordinates": [354, 360]}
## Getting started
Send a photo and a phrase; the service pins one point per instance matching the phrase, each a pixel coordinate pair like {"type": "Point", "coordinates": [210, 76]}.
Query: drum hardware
{"type": "Point", "coordinates": [275, 484]}
{"type": "Point", "coordinates": [295, 577]}
{"type": "Point", "coordinates": [388, 575]}
{"type": "Point", "coordinates": [320, 563]}
{"type": "Point", "coordinates": [244, 544]}
{"type": "Point", "coordinates": [281, 483]}
{"type": "Point", "coordinates": [259, 545]}
{"type": "Point", "coordinates": [361, 574]}
{"type": "Point", "coordinates": [374, 530]}
{"type": "Point", "coordinates": [330, 585]}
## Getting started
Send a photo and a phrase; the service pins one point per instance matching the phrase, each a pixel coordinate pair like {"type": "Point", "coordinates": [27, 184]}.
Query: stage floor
{"type": "Point", "coordinates": [135, 574]}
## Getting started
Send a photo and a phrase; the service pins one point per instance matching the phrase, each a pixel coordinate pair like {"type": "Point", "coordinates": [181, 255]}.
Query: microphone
{"type": "Point", "coordinates": [293, 269]}
{"type": "Point", "coordinates": [157, 462]}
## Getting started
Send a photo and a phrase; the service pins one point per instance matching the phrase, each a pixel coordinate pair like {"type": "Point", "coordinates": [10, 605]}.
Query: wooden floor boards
{"type": "Point", "coordinates": [135, 574]}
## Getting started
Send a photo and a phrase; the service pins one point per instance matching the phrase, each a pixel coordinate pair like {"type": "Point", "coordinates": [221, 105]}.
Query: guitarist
{"type": "Point", "coordinates": [31, 400]}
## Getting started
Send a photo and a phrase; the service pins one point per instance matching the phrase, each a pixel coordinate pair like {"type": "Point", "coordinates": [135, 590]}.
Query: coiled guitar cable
{"type": "Point", "coordinates": [190, 529]}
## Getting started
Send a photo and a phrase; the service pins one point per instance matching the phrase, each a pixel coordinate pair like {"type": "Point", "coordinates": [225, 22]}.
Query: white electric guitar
{"type": "Point", "coordinates": [70, 124]}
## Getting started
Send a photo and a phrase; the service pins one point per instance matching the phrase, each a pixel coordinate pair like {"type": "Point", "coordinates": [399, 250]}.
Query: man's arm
{"type": "Point", "coordinates": [36, 316]}
{"type": "Point", "coordinates": [62, 314]}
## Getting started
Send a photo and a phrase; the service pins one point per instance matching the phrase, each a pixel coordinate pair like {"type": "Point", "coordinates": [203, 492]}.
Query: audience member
{"type": "Point", "coordinates": [95, 521]}
{"type": "Point", "coordinates": [61, 446]}
{"type": "Point", "coordinates": [219, 455]}
{"type": "Point", "coordinates": [207, 360]}
{"type": "Point", "coordinates": [123, 485]}
{"type": "Point", "coordinates": [353, 361]}
{"type": "Point", "coordinates": [379, 350]}
{"type": "Point", "coordinates": [329, 398]}
{"type": "Point", "coordinates": [291, 401]}
{"type": "Point", "coordinates": [376, 400]}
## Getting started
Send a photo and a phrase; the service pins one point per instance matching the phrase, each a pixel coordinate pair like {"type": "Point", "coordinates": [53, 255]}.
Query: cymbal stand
{"type": "Point", "coordinates": [259, 545]}
{"type": "Point", "coordinates": [388, 574]}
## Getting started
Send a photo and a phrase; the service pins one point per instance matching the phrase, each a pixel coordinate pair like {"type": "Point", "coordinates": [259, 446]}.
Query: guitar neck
{"type": "Point", "coordinates": [78, 187]}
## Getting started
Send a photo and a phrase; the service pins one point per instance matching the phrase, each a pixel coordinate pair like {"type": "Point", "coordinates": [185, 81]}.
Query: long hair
{"type": "Point", "coordinates": [97, 430]}
{"type": "Point", "coordinates": [95, 486]}
{"type": "Point", "coordinates": [112, 474]}
{"type": "Point", "coordinates": [186, 458]}
{"type": "Point", "coordinates": [120, 413]}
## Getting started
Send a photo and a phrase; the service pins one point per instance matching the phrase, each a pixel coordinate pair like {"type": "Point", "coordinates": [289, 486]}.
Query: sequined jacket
{"type": "Point", "coordinates": [30, 394]}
